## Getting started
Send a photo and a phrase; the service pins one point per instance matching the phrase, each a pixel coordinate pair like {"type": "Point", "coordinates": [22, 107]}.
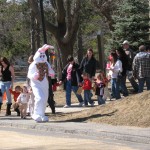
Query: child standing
{"type": "Point", "coordinates": [16, 93]}
{"type": "Point", "coordinates": [87, 86]}
{"type": "Point", "coordinates": [100, 84]}
{"type": "Point", "coordinates": [22, 100]}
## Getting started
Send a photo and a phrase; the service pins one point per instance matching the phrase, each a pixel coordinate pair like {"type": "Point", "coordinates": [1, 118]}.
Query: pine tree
{"type": "Point", "coordinates": [132, 23]}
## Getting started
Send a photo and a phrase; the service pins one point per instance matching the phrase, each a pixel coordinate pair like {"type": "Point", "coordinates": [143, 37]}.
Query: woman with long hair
{"type": "Point", "coordinates": [116, 67]}
{"type": "Point", "coordinates": [88, 63]}
{"type": "Point", "coordinates": [7, 80]}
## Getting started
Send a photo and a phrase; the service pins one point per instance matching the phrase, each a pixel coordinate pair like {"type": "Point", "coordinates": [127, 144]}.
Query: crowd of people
{"type": "Point", "coordinates": [122, 64]}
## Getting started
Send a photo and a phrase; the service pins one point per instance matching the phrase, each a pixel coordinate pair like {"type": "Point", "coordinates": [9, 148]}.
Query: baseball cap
{"type": "Point", "coordinates": [125, 42]}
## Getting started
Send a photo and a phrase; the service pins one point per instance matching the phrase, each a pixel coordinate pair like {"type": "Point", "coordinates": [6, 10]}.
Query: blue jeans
{"type": "Point", "coordinates": [87, 97]}
{"type": "Point", "coordinates": [5, 86]}
{"type": "Point", "coordinates": [115, 88]}
{"type": "Point", "coordinates": [69, 89]}
{"type": "Point", "coordinates": [100, 100]}
{"type": "Point", "coordinates": [132, 81]}
{"type": "Point", "coordinates": [123, 86]}
{"type": "Point", "coordinates": [141, 83]}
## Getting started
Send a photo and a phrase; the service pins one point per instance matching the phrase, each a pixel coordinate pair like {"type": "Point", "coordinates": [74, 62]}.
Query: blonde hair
{"type": "Point", "coordinates": [101, 75]}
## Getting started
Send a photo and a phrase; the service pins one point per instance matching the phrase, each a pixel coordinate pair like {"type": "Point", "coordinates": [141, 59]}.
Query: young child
{"type": "Point", "coordinates": [106, 81]}
{"type": "Point", "coordinates": [22, 100]}
{"type": "Point", "coordinates": [87, 86]}
{"type": "Point", "coordinates": [16, 93]}
{"type": "Point", "coordinates": [100, 84]}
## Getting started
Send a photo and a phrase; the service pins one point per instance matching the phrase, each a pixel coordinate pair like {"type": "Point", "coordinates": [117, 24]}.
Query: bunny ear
{"type": "Point", "coordinates": [45, 47]}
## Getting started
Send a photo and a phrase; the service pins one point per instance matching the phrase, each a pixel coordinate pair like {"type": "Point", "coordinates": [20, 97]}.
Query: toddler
{"type": "Point", "coordinates": [15, 94]}
{"type": "Point", "coordinates": [100, 84]}
{"type": "Point", "coordinates": [87, 86]}
{"type": "Point", "coordinates": [22, 100]}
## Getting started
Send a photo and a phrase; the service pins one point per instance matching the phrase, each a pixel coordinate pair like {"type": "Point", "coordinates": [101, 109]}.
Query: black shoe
{"type": "Point", "coordinates": [18, 114]}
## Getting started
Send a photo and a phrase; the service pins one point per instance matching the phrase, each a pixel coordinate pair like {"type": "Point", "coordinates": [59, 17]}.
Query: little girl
{"type": "Point", "coordinates": [22, 100]}
{"type": "Point", "coordinates": [100, 83]}
{"type": "Point", "coordinates": [16, 93]}
{"type": "Point", "coordinates": [87, 86]}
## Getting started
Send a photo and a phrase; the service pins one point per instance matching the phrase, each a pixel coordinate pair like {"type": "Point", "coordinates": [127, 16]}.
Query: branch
{"type": "Point", "coordinates": [73, 27]}
{"type": "Point", "coordinates": [60, 11]}
{"type": "Point", "coordinates": [34, 6]}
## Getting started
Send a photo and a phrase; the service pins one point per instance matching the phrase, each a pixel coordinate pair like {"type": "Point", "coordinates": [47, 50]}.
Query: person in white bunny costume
{"type": "Point", "coordinates": [38, 73]}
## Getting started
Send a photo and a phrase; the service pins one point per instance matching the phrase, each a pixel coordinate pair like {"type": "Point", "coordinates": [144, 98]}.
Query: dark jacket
{"type": "Point", "coordinates": [88, 66]}
{"type": "Point", "coordinates": [130, 54]}
{"type": "Point", "coordinates": [75, 74]}
{"type": "Point", "coordinates": [125, 65]}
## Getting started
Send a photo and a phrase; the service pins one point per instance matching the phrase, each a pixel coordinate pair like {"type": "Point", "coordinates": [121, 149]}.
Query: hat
{"type": "Point", "coordinates": [125, 42]}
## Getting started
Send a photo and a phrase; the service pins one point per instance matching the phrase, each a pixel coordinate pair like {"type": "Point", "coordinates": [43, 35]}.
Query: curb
{"type": "Point", "coordinates": [85, 130]}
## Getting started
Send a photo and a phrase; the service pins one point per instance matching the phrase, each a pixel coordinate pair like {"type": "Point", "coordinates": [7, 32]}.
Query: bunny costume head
{"type": "Point", "coordinates": [40, 56]}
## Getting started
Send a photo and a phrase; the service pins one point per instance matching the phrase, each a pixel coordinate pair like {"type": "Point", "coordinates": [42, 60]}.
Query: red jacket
{"type": "Point", "coordinates": [87, 85]}
{"type": "Point", "coordinates": [15, 94]}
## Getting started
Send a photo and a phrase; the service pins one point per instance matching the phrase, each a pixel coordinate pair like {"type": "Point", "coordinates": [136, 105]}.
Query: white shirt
{"type": "Point", "coordinates": [116, 68]}
{"type": "Point", "coordinates": [23, 98]}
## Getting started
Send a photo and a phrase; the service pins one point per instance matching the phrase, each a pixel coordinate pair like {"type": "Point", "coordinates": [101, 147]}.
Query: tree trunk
{"type": "Point", "coordinates": [65, 50]}
{"type": "Point", "coordinates": [80, 46]}
{"type": "Point", "coordinates": [37, 34]}
{"type": "Point", "coordinates": [32, 32]}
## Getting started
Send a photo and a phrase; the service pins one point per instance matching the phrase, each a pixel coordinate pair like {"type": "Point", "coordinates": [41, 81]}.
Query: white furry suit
{"type": "Point", "coordinates": [38, 73]}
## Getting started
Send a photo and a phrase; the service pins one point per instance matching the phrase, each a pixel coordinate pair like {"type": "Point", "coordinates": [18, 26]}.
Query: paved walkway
{"type": "Point", "coordinates": [133, 134]}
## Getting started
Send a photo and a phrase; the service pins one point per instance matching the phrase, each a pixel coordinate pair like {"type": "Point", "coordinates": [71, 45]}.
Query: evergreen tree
{"type": "Point", "coordinates": [131, 23]}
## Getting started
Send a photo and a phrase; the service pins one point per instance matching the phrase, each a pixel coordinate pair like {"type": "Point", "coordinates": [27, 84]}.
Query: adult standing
{"type": "Point", "coordinates": [123, 58]}
{"type": "Point", "coordinates": [141, 68]}
{"type": "Point", "coordinates": [7, 80]}
{"type": "Point", "coordinates": [115, 68]}
{"type": "Point", "coordinates": [72, 77]}
{"type": "Point", "coordinates": [130, 54]}
{"type": "Point", "coordinates": [88, 64]}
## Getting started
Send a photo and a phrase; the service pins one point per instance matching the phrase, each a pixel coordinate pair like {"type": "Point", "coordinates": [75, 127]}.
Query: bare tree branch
{"type": "Point", "coordinates": [106, 7]}
{"type": "Point", "coordinates": [74, 24]}
{"type": "Point", "coordinates": [34, 6]}
{"type": "Point", "coordinates": [60, 11]}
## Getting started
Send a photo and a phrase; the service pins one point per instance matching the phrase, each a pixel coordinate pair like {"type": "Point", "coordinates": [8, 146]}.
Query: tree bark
{"type": "Point", "coordinates": [66, 27]}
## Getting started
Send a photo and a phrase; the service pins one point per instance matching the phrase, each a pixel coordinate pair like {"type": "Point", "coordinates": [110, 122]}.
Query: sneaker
{"type": "Point", "coordinates": [92, 104]}
{"type": "Point", "coordinates": [84, 105]}
{"type": "Point", "coordinates": [66, 106]}
{"type": "Point", "coordinates": [81, 104]}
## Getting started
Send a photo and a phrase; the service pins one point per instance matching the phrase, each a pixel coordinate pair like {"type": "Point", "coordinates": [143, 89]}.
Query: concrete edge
{"type": "Point", "coordinates": [81, 132]}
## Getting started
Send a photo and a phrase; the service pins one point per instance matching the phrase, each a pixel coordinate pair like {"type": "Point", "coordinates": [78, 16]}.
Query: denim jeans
{"type": "Point", "coordinates": [100, 100]}
{"type": "Point", "coordinates": [69, 89]}
{"type": "Point", "coordinates": [141, 83]}
{"type": "Point", "coordinates": [132, 81]}
{"type": "Point", "coordinates": [123, 86]}
{"type": "Point", "coordinates": [87, 97]}
{"type": "Point", "coordinates": [115, 88]}
{"type": "Point", "coordinates": [5, 86]}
